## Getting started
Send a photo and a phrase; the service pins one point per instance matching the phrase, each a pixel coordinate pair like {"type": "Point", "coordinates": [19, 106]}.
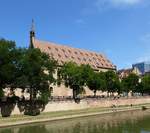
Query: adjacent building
{"type": "Point", "coordinates": [144, 67]}
{"type": "Point", "coordinates": [139, 69]}
{"type": "Point", "coordinates": [123, 73]}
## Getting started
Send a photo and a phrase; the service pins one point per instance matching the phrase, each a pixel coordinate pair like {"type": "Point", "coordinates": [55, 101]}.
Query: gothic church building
{"type": "Point", "coordinates": [63, 53]}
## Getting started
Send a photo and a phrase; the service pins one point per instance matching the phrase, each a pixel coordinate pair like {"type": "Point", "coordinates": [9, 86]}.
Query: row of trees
{"type": "Point", "coordinates": [28, 69]}
{"type": "Point", "coordinates": [77, 77]}
{"type": "Point", "coordinates": [33, 71]}
{"type": "Point", "coordinates": [25, 69]}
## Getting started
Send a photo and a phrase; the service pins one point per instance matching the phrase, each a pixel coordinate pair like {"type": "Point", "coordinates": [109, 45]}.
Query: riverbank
{"type": "Point", "coordinates": [15, 120]}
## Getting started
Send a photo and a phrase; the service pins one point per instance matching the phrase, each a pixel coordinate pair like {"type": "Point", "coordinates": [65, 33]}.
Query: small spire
{"type": "Point", "coordinates": [32, 25]}
{"type": "Point", "coordinates": [32, 34]}
{"type": "Point", "coordinates": [32, 31]}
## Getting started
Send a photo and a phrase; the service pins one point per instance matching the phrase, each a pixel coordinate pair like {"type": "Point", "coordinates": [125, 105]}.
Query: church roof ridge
{"type": "Point", "coordinates": [67, 46]}
{"type": "Point", "coordinates": [63, 53]}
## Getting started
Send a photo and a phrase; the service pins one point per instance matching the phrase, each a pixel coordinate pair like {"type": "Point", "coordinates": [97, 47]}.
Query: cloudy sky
{"type": "Point", "coordinates": [120, 29]}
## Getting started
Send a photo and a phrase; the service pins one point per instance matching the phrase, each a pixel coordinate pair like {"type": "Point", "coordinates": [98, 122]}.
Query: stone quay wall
{"type": "Point", "coordinates": [90, 103]}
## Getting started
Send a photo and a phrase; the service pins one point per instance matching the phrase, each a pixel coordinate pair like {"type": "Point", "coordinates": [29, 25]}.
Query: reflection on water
{"type": "Point", "coordinates": [124, 122]}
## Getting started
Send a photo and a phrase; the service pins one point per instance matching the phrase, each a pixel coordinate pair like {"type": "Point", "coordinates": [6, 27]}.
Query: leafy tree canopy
{"type": "Point", "coordinates": [112, 81]}
{"type": "Point", "coordinates": [36, 71]}
{"type": "Point", "coordinates": [96, 82]}
{"type": "Point", "coordinates": [8, 61]}
{"type": "Point", "coordinates": [73, 76]}
{"type": "Point", "coordinates": [130, 83]}
{"type": "Point", "coordinates": [146, 84]}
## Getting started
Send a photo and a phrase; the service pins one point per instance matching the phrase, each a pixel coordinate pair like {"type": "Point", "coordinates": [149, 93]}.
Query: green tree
{"type": "Point", "coordinates": [96, 82]}
{"type": "Point", "coordinates": [112, 82]}
{"type": "Point", "coordinates": [146, 84]}
{"type": "Point", "coordinates": [86, 71]}
{"type": "Point", "coordinates": [140, 88]}
{"type": "Point", "coordinates": [8, 61]}
{"type": "Point", "coordinates": [130, 83]}
{"type": "Point", "coordinates": [36, 71]}
{"type": "Point", "coordinates": [72, 76]}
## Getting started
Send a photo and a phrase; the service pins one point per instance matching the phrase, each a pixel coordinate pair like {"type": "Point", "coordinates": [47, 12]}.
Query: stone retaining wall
{"type": "Point", "coordinates": [70, 105]}
{"type": "Point", "coordinates": [118, 102]}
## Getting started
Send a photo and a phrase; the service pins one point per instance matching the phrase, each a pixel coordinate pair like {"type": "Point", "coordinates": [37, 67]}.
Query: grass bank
{"type": "Point", "coordinates": [59, 115]}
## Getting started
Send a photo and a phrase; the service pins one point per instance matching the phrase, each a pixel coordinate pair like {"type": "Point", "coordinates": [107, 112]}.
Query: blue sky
{"type": "Point", "coordinates": [120, 29]}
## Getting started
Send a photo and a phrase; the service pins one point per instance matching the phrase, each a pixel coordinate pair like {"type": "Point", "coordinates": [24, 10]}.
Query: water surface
{"type": "Point", "coordinates": [123, 122]}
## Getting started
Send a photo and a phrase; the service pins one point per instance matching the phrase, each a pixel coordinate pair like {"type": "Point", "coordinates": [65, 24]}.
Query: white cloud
{"type": "Point", "coordinates": [101, 5]}
{"type": "Point", "coordinates": [107, 4]}
{"type": "Point", "coordinates": [144, 58]}
{"type": "Point", "coordinates": [126, 2]}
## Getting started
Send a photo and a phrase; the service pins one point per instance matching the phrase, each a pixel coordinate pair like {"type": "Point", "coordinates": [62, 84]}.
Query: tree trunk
{"type": "Point", "coordinates": [107, 94]}
{"type": "Point", "coordinates": [74, 94]}
{"type": "Point", "coordinates": [32, 108]}
{"type": "Point", "coordinates": [31, 94]}
{"type": "Point", "coordinates": [34, 94]}
{"type": "Point", "coordinates": [142, 93]}
{"type": "Point", "coordinates": [95, 93]}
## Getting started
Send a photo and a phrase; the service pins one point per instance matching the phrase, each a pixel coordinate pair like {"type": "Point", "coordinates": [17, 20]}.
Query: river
{"type": "Point", "coordinates": [122, 122]}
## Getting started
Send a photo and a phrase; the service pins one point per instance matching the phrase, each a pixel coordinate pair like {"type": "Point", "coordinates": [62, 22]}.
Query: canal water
{"type": "Point", "coordinates": [123, 122]}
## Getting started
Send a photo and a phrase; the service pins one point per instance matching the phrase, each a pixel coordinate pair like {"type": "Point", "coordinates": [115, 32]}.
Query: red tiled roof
{"type": "Point", "coordinates": [63, 53]}
{"type": "Point", "coordinates": [125, 72]}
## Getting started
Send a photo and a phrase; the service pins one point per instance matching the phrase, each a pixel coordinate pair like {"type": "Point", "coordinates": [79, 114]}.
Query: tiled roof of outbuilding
{"type": "Point", "coordinates": [63, 53]}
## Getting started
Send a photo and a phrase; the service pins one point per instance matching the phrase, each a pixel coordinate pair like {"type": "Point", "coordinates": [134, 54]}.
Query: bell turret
{"type": "Point", "coordinates": [32, 35]}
